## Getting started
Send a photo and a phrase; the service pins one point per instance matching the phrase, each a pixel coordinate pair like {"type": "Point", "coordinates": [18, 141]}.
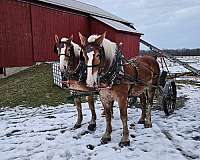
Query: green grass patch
{"type": "Point", "coordinates": [31, 87]}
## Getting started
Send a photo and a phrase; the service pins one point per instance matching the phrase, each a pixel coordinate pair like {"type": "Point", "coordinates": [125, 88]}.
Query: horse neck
{"type": "Point", "coordinates": [110, 49]}
{"type": "Point", "coordinates": [74, 60]}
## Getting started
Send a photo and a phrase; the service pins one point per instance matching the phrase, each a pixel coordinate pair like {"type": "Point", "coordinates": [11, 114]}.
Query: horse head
{"type": "Point", "coordinates": [99, 54]}
{"type": "Point", "coordinates": [65, 49]}
{"type": "Point", "coordinates": [93, 51]}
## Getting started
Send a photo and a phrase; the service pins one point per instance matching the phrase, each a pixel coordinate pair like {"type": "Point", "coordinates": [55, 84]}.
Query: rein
{"type": "Point", "coordinates": [95, 65]}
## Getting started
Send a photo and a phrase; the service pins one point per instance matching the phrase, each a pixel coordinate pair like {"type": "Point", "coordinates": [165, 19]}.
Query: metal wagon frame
{"type": "Point", "coordinates": [168, 87]}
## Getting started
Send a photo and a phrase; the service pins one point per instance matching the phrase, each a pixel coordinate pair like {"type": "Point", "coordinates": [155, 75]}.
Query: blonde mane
{"type": "Point", "coordinates": [109, 47]}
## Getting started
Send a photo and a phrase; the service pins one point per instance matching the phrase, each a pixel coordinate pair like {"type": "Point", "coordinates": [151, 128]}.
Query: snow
{"type": "Point", "coordinates": [176, 68]}
{"type": "Point", "coordinates": [45, 133]}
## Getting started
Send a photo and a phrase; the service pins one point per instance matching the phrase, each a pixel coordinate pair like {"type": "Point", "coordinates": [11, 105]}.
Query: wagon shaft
{"type": "Point", "coordinates": [169, 56]}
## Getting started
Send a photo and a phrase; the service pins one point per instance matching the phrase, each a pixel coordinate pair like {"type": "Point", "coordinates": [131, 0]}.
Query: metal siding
{"type": "Point", "coordinates": [85, 8]}
{"type": "Point", "coordinates": [97, 27]}
{"type": "Point", "coordinates": [47, 22]}
{"type": "Point", "coordinates": [15, 34]}
{"type": "Point", "coordinates": [131, 44]}
{"type": "Point", "coordinates": [116, 25]}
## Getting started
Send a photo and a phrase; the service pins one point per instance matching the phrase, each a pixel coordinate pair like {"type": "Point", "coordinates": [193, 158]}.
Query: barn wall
{"type": "Point", "coordinates": [130, 47]}
{"type": "Point", "coordinates": [27, 32]}
{"type": "Point", "coordinates": [15, 34]}
{"type": "Point", "coordinates": [48, 22]}
{"type": "Point", "coordinates": [97, 27]}
{"type": "Point", "coordinates": [131, 44]}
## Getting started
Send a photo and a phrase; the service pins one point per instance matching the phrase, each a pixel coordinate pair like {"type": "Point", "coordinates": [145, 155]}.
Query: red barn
{"type": "Point", "coordinates": [27, 29]}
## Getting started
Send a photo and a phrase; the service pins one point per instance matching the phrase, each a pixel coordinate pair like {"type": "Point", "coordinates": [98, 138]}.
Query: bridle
{"type": "Point", "coordinates": [61, 44]}
{"type": "Point", "coordinates": [89, 47]}
{"type": "Point", "coordinates": [72, 71]}
{"type": "Point", "coordinates": [111, 74]}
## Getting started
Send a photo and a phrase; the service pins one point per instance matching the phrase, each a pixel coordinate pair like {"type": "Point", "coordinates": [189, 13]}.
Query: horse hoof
{"type": "Point", "coordinates": [132, 125]}
{"type": "Point", "coordinates": [76, 126]}
{"type": "Point", "coordinates": [124, 144]}
{"type": "Point", "coordinates": [89, 146]}
{"type": "Point", "coordinates": [92, 127]}
{"type": "Point", "coordinates": [105, 140]}
{"type": "Point", "coordinates": [141, 122]}
{"type": "Point", "coordinates": [147, 125]}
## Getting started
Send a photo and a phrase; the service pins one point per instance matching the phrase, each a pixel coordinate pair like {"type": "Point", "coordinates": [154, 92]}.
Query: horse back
{"type": "Point", "coordinates": [147, 69]}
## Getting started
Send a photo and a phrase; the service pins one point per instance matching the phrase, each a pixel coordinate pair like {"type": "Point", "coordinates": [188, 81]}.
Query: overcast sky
{"type": "Point", "coordinates": [165, 23]}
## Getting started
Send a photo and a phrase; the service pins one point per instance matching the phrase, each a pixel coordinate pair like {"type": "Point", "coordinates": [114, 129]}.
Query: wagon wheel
{"type": "Point", "coordinates": [169, 98]}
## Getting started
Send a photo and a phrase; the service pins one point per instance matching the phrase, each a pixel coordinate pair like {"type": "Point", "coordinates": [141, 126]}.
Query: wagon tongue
{"type": "Point", "coordinates": [77, 86]}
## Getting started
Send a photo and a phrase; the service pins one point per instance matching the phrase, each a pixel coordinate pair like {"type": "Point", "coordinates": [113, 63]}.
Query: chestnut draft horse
{"type": "Point", "coordinates": [118, 78]}
{"type": "Point", "coordinates": [70, 58]}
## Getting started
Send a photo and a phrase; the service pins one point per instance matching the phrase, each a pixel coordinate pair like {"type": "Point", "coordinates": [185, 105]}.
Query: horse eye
{"type": "Point", "coordinates": [98, 55]}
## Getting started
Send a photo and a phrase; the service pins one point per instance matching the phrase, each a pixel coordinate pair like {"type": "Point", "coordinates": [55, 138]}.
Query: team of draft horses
{"type": "Point", "coordinates": [99, 65]}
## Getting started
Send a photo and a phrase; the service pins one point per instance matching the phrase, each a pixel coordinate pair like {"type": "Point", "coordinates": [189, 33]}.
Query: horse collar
{"type": "Point", "coordinates": [111, 75]}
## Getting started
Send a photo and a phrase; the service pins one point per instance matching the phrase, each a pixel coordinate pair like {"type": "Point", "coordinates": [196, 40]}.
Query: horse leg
{"type": "Point", "coordinates": [123, 115]}
{"type": "Point", "coordinates": [151, 92]}
{"type": "Point", "coordinates": [143, 108]}
{"type": "Point", "coordinates": [111, 109]}
{"type": "Point", "coordinates": [107, 104]}
{"type": "Point", "coordinates": [103, 113]}
{"type": "Point", "coordinates": [92, 125]}
{"type": "Point", "coordinates": [77, 102]}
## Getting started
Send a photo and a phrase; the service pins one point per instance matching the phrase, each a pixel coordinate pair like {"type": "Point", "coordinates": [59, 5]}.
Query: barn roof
{"type": "Point", "coordinates": [116, 25]}
{"type": "Point", "coordinates": [97, 13]}
{"type": "Point", "coordinates": [86, 8]}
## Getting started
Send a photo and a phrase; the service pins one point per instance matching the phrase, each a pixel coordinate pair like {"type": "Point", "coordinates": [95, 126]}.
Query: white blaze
{"type": "Point", "coordinates": [63, 63]}
{"type": "Point", "coordinates": [91, 77]}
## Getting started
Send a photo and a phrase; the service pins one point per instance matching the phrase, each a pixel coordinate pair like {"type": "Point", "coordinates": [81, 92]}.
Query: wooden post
{"type": "Point", "coordinates": [3, 71]}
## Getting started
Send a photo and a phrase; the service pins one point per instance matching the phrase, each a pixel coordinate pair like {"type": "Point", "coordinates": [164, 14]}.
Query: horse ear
{"type": "Point", "coordinates": [71, 37]}
{"type": "Point", "coordinates": [100, 39]}
{"type": "Point", "coordinates": [83, 39]}
{"type": "Point", "coordinates": [56, 38]}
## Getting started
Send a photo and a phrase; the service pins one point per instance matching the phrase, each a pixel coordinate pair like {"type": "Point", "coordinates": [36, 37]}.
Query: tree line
{"type": "Point", "coordinates": [176, 52]}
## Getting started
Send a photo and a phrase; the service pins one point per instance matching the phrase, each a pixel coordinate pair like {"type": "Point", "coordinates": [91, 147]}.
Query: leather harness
{"type": "Point", "coordinates": [115, 73]}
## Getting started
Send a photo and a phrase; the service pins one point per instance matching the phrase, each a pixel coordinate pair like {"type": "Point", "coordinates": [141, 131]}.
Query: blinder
{"type": "Point", "coordinates": [61, 44]}
{"type": "Point", "coordinates": [90, 47]}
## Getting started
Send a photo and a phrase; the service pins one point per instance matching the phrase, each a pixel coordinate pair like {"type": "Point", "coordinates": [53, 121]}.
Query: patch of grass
{"type": "Point", "coordinates": [31, 87]}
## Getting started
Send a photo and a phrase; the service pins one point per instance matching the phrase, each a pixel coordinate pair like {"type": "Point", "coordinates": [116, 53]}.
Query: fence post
{"type": "Point", "coordinates": [3, 71]}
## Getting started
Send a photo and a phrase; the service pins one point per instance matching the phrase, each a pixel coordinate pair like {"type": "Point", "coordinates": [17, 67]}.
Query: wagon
{"type": "Point", "coordinates": [166, 88]}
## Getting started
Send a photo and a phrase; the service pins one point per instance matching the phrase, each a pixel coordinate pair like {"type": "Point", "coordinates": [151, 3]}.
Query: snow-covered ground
{"type": "Point", "coordinates": [45, 133]}
{"type": "Point", "coordinates": [193, 61]}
